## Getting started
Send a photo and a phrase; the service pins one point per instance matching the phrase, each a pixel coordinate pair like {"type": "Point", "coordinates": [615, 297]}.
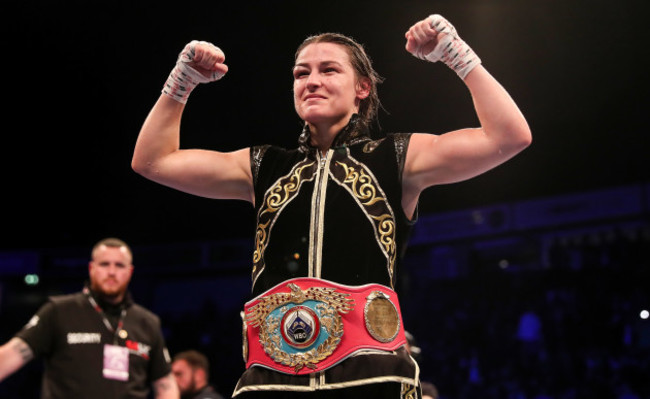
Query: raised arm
{"type": "Point", "coordinates": [14, 355]}
{"type": "Point", "coordinates": [157, 155]}
{"type": "Point", "coordinates": [461, 154]}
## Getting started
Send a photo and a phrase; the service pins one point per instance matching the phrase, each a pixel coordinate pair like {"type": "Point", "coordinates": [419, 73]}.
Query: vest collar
{"type": "Point", "coordinates": [354, 132]}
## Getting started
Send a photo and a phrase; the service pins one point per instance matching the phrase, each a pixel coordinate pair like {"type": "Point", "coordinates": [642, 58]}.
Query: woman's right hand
{"type": "Point", "coordinates": [199, 62]}
{"type": "Point", "coordinates": [206, 58]}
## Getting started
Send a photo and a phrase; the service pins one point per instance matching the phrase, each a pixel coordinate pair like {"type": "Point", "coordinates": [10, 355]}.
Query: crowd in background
{"type": "Point", "coordinates": [572, 329]}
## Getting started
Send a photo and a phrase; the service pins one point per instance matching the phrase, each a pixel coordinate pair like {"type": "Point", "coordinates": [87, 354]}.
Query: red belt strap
{"type": "Point", "coordinates": [305, 325]}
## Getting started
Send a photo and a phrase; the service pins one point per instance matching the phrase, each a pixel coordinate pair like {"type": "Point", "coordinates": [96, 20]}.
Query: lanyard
{"type": "Point", "coordinates": [99, 310]}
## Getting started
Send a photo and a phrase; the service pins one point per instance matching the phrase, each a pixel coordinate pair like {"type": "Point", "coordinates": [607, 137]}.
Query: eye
{"type": "Point", "coordinates": [300, 73]}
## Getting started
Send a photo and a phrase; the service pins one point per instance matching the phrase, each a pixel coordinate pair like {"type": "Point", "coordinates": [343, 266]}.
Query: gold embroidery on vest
{"type": "Point", "coordinates": [367, 191]}
{"type": "Point", "coordinates": [275, 198]}
{"type": "Point", "coordinates": [361, 184]}
{"type": "Point", "coordinates": [408, 391]}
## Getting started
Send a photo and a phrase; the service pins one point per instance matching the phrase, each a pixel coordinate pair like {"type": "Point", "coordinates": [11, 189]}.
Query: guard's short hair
{"type": "Point", "coordinates": [111, 242]}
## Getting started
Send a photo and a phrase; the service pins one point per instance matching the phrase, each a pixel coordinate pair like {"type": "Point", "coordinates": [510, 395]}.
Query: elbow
{"type": "Point", "coordinates": [137, 166]}
{"type": "Point", "coordinates": [525, 138]}
{"type": "Point", "coordinates": [520, 139]}
{"type": "Point", "coordinates": [140, 166]}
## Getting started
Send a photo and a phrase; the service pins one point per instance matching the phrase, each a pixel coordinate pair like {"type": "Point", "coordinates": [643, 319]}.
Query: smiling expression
{"type": "Point", "coordinates": [325, 87]}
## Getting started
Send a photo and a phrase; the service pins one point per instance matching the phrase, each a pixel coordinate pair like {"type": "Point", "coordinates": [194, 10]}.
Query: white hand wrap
{"type": "Point", "coordinates": [183, 78]}
{"type": "Point", "coordinates": [451, 49]}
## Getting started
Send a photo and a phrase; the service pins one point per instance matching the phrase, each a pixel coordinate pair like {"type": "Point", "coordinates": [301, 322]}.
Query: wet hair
{"type": "Point", "coordinates": [362, 65]}
{"type": "Point", "coordinates": [111, 242]}
{"type": "Point", "coordinates": [195, 359]}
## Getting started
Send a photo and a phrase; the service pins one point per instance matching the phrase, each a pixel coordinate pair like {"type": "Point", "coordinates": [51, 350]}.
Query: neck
{"type": "Point", "coordinates": [103, 299]}
{"type": "Point", "coordinates": [202, 387]}
{"type": "Point", "coordinates": [113, 300]}
{"type": "Point", "coordinates": [322, 137]}
{"type": "Point", "coordinates": [323, 134]}
{"type": "Point", "coordinates": [191, 394]}
{"type": "Point", "coordinates": [197, 389]}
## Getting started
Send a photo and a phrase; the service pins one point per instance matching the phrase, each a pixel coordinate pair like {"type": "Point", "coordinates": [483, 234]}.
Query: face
{"type": "Point", "coordinates": [184, 376]}
{"type": "Point", "coordinates": [110, 272]}
{"type": "Point", "coordinates": [325, 86]}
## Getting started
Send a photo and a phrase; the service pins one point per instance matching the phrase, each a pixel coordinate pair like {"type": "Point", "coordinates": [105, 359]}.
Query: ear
{"type": "Point", "coordinates": [363, 88]}
{"type": "Point", "coordinates": [200, 376]}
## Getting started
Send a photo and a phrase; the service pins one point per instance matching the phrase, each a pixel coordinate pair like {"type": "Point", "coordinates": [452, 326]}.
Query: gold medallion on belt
{"type": "Point", "coordinates": [381, 317]}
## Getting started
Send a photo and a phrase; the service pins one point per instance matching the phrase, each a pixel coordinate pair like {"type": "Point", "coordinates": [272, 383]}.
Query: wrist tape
{"type": "Point", "coordinates": [451, 49]}
{"type": "Point", "coordinates": [183, 78]}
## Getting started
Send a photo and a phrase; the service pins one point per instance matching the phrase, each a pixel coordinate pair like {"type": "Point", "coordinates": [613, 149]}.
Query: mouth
{"type": "Point", "coordinates": [313, 97]}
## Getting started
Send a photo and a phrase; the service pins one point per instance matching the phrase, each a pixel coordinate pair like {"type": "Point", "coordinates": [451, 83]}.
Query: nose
{"type": "Point", "coordinates": [313, 80]}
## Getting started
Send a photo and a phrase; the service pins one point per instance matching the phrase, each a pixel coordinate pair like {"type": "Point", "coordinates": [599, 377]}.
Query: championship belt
{"type": "Point", "coordinates": [305, 325]}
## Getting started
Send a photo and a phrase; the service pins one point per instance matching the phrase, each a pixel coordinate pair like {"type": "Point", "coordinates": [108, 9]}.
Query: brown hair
{"type": "Point", "coordinates": [195, 359]}
{"type": "Point", "coordinates": [111, 242]}
{"type": "Point", "coordinates": [362, 65]}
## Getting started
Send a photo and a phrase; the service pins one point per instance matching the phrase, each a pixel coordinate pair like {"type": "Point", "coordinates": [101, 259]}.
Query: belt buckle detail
{"type": "Point", "coordinates": [300, 328]}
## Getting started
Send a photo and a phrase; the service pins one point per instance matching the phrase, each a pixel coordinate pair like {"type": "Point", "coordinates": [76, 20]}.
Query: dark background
{"type": "Point", "coordinates": [561, 230]}
{"type": "Point", "coordinates": [80, 78]}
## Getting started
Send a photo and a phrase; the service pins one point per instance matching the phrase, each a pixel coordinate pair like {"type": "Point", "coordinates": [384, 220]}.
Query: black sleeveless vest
{"type": "Point", "coordinates": [336, 216]}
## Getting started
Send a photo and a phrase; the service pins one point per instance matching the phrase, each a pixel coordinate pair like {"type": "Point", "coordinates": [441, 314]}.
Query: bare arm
{"type": "Point", "coordinates": [14, 355]}
{"type": "Point", "coordinates": [158, 157]}
{"type": "Point", "coordinates": [166, 388]}
{"type": "Point", "coordinates": [463, 154]}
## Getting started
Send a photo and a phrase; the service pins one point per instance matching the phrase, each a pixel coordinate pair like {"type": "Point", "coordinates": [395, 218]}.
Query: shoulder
{"type": "Point", "coordinates": [268, 160]}
{"type": "Point", "coordinates": [208, 393]}
{"type": "Point", "coordinates": [67, 300]}
{"type": "Point", "coordinates": [397, 140]}
{"type": "Point", "coordinates": [392, 145]}
{"type": "Point", "coordinates": [262, 151]}
{"type": "Point", "coordinates": [211, 395]}
{"type": "Point", "coordinates": [400, 140]}
{"type": "Point", "coordinates": [44, 325]}
{"type": "Point", "coordinates": [264, 154]}
{"type": "Point", "coordinates": [144, 313]}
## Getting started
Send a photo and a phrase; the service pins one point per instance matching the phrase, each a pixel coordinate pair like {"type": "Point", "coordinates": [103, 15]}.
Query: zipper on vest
{"type": "Point", "coordinates": [317, 215]}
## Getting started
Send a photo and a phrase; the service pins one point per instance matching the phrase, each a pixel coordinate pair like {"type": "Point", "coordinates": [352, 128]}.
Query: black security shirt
{"type": "Point", "coordinates": [70, 335]}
